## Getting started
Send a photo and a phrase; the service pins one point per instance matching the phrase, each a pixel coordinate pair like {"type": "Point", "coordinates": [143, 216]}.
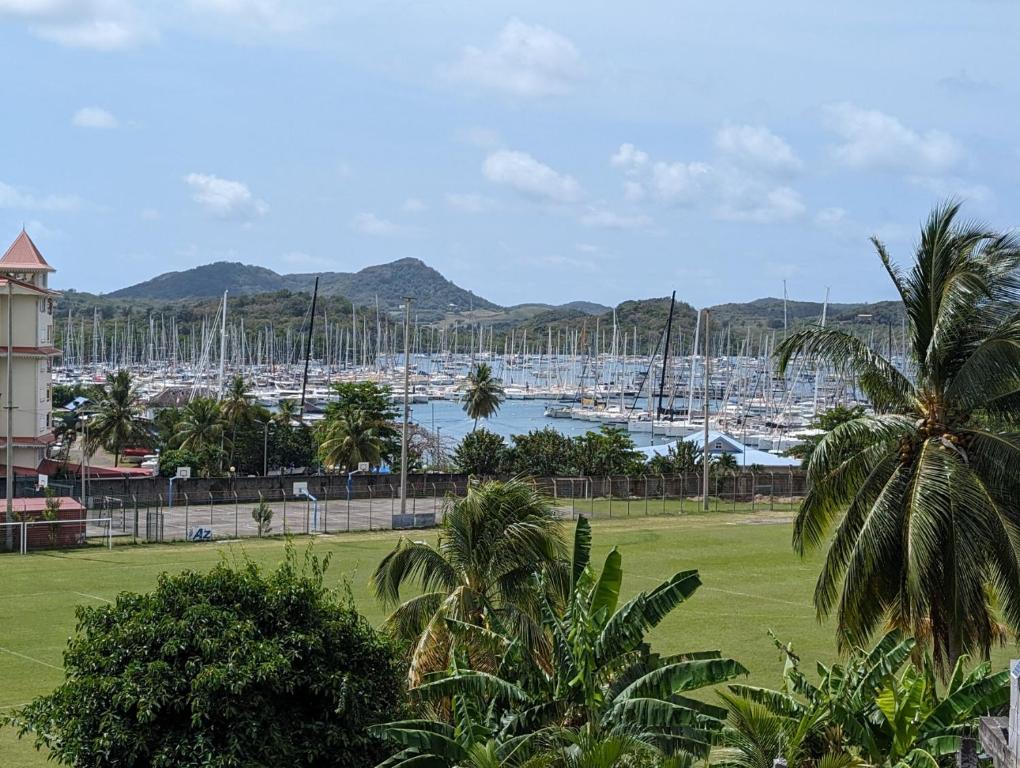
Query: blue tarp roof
{"type": "Point", "coordinates": [721, 443]}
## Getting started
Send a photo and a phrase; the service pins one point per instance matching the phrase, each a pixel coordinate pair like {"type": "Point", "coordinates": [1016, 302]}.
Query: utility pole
{"type": "Point", "coordinates": [10, 414]}
{"type": "Point", "coordinates": [407, 407]}
{"type": "Point", "coordinates": [706, 459]}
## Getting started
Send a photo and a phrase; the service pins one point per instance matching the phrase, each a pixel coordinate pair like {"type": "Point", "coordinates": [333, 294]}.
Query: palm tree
{"type": "Point", "coordinates": [116, 421]}
{"type": "Point", "coordinates": [201, 427]}
{"type": "Point", "coordinates": [236, 408]}
{"type": "Point", "coordinates": [483, 394]}
{"type": "Point", "coordinates": [349, 437]}
{"type": "Point", "coordinates": [923, 494]}
{"type": "Point", "coordinates": [606, 699]}
{"type": "Point", "coordinates": [491, 543]}
{"type": "Point", "coordinates": [236, 405]}
{"type": "Point", "coordinates": [286, 412]}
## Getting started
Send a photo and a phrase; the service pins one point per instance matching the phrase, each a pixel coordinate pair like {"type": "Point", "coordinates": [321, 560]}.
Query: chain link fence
{"type": "Point", "coordinates": [325, 505]}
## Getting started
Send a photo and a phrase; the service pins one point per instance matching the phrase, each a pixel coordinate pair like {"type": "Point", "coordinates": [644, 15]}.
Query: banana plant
{"type": "Point", "coordinates": [876, 709]}
{"type": "Point", "coordinates": [605, 694]}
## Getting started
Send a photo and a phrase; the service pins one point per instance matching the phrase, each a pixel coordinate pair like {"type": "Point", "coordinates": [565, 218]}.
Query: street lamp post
{"type": "Point", "coordinates": [265, 445]}
{"type": "Point", "coordinates": [407, 407]}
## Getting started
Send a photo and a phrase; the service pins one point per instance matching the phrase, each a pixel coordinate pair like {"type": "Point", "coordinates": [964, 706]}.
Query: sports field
{"type": "Point", "coordinates": [752, 582]}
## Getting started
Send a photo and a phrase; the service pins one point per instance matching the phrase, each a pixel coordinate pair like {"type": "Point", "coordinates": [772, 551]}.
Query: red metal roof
{"type": "Point", "coordinates": [39, 442]}
{"type": "Point", "coordinates": [38, 504]}
{"type": "Point", "coordinates": [23, 256]}
{"type": "Point", "coordinates": [52, 467]}
{"type": "Point", "coordinates": [43, 351]}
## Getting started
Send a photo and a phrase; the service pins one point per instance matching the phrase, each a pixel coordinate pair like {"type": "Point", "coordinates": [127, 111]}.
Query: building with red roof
{"type": "Point", "coordinates": [24, 277]}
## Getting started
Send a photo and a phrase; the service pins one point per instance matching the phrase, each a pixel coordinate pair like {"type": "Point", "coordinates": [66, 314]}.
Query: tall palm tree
{"type": "Point", "coordinates": [116, 421]}
{"type": "Point", "coordinates": [286, 412]}
{"type": "Point", "coordinates": [349, 437]}
{"type": "Point", "coordinates": [201, 426]}
{"type": "Point", "coordinates": [483, 394]}
{"type": "Point", "coordinates": [236, 408]}
{"type": "Point", "coordinates": [236, 405]}
{"type": "Point", "coordinates": [923, 494]}
{"type": "Point", "coordinates": [605, 700]}
{"type": "Point", "coordinates": [491, 543]}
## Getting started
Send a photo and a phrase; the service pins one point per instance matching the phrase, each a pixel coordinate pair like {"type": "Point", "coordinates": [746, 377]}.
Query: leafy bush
{"type": "Point", "coordinates": [481, 452]}
{"type": "Point", "coordinates": [234, 667]}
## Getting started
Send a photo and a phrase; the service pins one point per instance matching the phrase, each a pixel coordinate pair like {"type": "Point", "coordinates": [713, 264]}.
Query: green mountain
{"type": "Point", "coordinates": [261, 299]}
{"type": "Point", "coordinates": [387, 283]}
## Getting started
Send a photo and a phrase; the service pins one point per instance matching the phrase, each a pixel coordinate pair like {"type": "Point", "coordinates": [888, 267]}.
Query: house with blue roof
{"type": "Point", "coordinates": [720, 443]}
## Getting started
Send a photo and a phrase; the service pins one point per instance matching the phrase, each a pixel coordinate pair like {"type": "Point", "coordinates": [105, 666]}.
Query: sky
{"type": "Point", "coordinates": [529, 151]}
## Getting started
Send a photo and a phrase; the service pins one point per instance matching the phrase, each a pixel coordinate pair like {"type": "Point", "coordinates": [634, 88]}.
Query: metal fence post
{"type": "Point", "coordinates": [236, 502]}
{"type": "Point", "coordinates": [610, 494]}
{"type": "Point", "coordinates": [187, 513]}
{"type": "Point", "coordinates": [134, 533]}
{"type": "Point", "coordinates": [324, 492]}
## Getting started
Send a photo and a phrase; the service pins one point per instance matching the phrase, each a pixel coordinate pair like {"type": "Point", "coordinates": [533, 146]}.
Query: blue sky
{"type": "Point", "coordinates": [529, 151]}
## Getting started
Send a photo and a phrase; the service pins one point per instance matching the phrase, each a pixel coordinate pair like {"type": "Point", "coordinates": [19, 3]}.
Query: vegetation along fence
{"type": "Point", "coordinates": [207, 510]}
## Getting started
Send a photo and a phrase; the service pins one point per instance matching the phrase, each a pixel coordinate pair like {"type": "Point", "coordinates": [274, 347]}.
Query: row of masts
{"type": "Point", "coordinates": [356, 343]}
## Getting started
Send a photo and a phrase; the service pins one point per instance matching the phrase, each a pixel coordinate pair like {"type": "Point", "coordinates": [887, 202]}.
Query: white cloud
{"type": "Point", "coordinates": [301, 259]}
{"type": "Point", "coordinates": [99, 24]}
{"type": "Point", "coordinates": [602, 218]}
{"type": "Point", "coordinates": [634, 191]}
{"type": "Point", "coordinates": [631, 159]}
{"type": "Point", "coordinates": [94, 117]}
{"type": "Point", "coordinates": [756, 147]}
{"type": "Point", "coordinates": [739, 186]}
{"type": "Point", "coordinates": [260, 19]}
{"type": "Point", "coordinates": [761, 205]}
{"type": "Point", "coordinates": [12, 197]}
{"type": "Point", "coordinates": [369, 224]}
{"type": "Point", "coordinates": [952, 186]}
{"type": "Point", "coordinates": [224, 198]}
{"type": "Point", "coordinates": [681, 183]}
{"type": "Point", "coordinates": [522, 172]}
{"type": "Point", "coordinates": [468, 202]}
{"type": "Point", "coordinates": [875, 140]}
{"type": "Point", "coordinates": [150, 214]}
{"type": "Point", "coordinates": [830, 217]}
{"type": "Point", "coordinates": [586, 248]}
{"type": "Point", "coordinates": [39, 231]}
{"type": "Point", "coordinates": [524, 60]}
{"type": "Point", "coordinates": [486, 138]}
{"type": "Point", "coordinates": [414, 205]}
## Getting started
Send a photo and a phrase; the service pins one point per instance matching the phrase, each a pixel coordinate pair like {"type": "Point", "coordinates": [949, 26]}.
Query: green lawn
{"type": "Point", "coordinates": [752, 582]}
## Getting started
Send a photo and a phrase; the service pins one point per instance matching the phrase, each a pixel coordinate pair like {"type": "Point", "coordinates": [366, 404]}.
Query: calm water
{"type": "Point", "coordinates": [515, 417]}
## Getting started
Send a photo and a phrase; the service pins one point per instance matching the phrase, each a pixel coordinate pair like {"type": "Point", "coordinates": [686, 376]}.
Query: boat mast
{"type": "Point", "coordinates": [223, 346]}
{"type": "Point", "coordinates": [308, 349]}
{"type": "Point", "coordinates": [665, 354]}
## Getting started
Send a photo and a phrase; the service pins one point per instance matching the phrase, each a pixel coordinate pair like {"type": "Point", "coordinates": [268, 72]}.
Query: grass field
{"type": "Point", "coordinates": [752, 582]}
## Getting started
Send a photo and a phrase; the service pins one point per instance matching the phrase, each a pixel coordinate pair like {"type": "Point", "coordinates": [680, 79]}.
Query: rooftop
{"type": "Point", "coordinates": [23, 256]}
